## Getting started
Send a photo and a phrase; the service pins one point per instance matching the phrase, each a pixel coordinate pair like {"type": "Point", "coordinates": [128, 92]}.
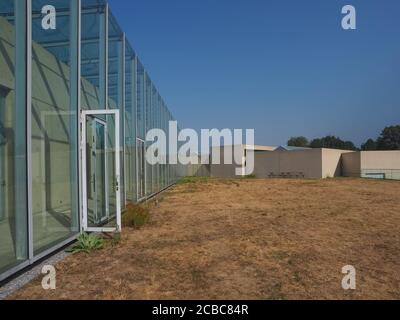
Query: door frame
{"type": "Point", "coordinates": [84, 224]}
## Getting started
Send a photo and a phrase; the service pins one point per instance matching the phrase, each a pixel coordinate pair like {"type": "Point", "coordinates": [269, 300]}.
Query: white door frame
{"type": "Point", "coordinates": [84, 224]}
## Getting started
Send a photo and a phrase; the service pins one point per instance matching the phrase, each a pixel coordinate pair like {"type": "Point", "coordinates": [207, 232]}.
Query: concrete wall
{"type": "Point", "coordinates": [351, 164]}
{"type": "Point", "coordinates": [310, 163]}
{"type": "Point", "coordinates": [297, 163]}
{"type": "Point", "coordinates": [306, 162]}
{"type": "Point", "coordinates": [380, 160]}
{"type": "Point", "coordinates": [380, 165]}
{"type": "Point", "coordinates": [331, 162]}
{"type": "Point", "coordinates": [318, 163]}
{"type": "Point", "coordinates": [372, 163]}
{"type": "Point", "coordinates": [266, 163]}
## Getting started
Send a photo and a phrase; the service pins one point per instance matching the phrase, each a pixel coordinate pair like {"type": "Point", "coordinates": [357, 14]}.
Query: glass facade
{"type": "Point", "coordinates": [58, 58]}
{"type": "Point", "coordinates": [13, 132]}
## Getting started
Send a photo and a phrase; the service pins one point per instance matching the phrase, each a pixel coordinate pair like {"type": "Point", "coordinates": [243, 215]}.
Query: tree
{"type": "Point", "coordinates": [370, 145]}
{"type": "Point", "coordinates": [348, 145]}
{"type": "Point", "coordinates": [332, 142]}
{"type": "Point", "coordinates": [389, 139]}
{"type": "Point", "coordinates": [298, 142]}
{"type": "Point", "coordinates": [316, 143]}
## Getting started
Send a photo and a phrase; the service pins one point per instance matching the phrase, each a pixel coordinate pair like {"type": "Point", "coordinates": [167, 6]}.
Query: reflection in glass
{"type": "Point", "coordinates": [93, 55]}
{"type": "Point", "coordinates": [115, 84]}
{"type": "Point", "coordinates": [13, 209]}
{"type": "Point", "coordinates": [96, 168]}
{"type": "Point", "coordinates": [54, 128]}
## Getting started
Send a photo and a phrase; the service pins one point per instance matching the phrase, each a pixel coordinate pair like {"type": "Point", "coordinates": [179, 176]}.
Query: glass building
{"type": "Point", "coordinates": [75, 106]}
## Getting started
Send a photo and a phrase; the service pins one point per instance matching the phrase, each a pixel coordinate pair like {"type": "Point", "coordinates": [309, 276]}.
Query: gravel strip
{"type": "Point", "coordinates": [22, 280]}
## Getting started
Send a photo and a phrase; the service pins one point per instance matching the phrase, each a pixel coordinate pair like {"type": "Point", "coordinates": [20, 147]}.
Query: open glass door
{"type": "Point", "coordinates": [101, 171]}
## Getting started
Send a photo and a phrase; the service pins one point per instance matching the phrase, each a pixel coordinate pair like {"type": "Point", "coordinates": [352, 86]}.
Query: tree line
{"type": "Point", "coordinates": [389, 139]}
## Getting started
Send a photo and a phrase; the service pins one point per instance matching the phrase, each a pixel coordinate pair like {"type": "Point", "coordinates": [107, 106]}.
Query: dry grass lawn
{"type": "Point", "coordinates": [248, 239]}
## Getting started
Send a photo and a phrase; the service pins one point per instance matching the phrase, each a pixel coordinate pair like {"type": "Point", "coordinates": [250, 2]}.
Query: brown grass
{"type": "Point", "coordinates": [248, 239]}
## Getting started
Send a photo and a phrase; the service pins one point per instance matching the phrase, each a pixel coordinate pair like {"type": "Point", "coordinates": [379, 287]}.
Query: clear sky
{"type": "Point", "coordinates": [282, 67]}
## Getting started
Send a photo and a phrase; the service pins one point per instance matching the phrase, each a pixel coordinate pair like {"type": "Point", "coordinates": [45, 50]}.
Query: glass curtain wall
{"type": "Point", "coordinates": [54, 122]}
{"type": "Point", "coordinates": [65, 76]}
{"type": "Point", "coordinates": [13, 170]}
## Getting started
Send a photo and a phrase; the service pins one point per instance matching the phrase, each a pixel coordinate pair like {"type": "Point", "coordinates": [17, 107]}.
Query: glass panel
{"type": "Point", "coordinates": [101, 171]}
{"type": "Point", "coordinates": [158, 123]}
{"type": "Point", "coordinates": [130, 124]}
{"type": "Point", "coordinates": [91, 169]}
{"type": "Point", "coordinates": [54, 124]}
{"type": "Point", "coordinates": [115, 82]}
{"type": "Point", "coordinates": [13, 210]}
{"type": "Point", "coordinates": [153, 125]}
{"type": "Point", "coordinates": [141, 126]}
{"type": "Point", "coordinates": [114, 64]}
{"type": "Point", "coordinates": [141, 169]}
{"type": "Point", "coordinates": [148, 96]}
{"type": "Point", "coordinates": [96, 171]}
{"type": "Point", "coordinates": [110, 153]}
{"type": "Point", "coordinates": [93, 55]}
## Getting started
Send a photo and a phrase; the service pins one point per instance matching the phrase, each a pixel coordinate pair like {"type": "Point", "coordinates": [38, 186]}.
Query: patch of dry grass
{"type": "Point", "coordinates": [248, 239]}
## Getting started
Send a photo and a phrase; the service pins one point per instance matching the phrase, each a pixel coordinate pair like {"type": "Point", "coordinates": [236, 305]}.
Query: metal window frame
{"type": "Point", "coordinates": [134, 99]}
{"type": "Point", "coordinates": [140, 197]}
{"type": "Point", "coordinates": [29, 125]}
{"type": "Point", "coordinates": [122, 89]}
{"type": "Point", "coordinates": [84, 223]}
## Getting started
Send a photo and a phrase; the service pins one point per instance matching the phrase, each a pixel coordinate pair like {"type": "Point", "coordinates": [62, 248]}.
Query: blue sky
{"type": "Point", "coordinates": [282, 67]}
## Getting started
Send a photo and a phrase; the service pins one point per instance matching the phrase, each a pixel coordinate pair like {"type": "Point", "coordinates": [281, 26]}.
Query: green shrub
{"type": "Point", "coordinates": [87, 243]}
{"type": "Point", "coordinates": [135, 216]}
{"type": "Point", "coordinates": [187, 180]}
{"type": "Point", "coordinates": [250, 176]}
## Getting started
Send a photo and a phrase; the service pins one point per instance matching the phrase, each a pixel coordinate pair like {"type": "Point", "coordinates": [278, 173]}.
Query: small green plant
{"type": "Point", "coordinates": [135, 216]}
{"type": "Point", "coordinates": [250, 176]}
{"type": "Point", "coordinates": [187, 180]}
{"type": "Point", "coordinates": [87, 243]}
